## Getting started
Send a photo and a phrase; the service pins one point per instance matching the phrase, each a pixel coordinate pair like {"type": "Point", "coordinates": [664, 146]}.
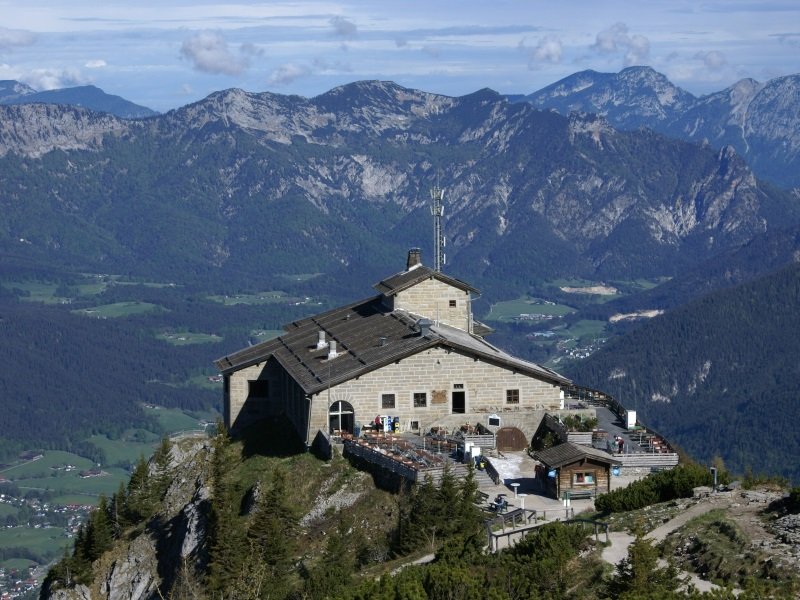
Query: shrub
{"type": "Point", "coordinates": [656, 487]}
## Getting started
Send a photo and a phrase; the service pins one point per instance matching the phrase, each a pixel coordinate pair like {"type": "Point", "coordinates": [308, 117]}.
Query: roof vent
{"type": "Point", "coordinates": [321, 343]}
{"type": "Point", "coordinates": [383, 340]}
{"type": "Point", "coordinates": [332, 350]}
{"type": "Point", "coordinates": [414, 258]}
{"type": "Point", "coordinates": [424, 326]}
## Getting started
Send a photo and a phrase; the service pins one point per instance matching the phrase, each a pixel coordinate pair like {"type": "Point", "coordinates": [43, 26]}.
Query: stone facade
{"type": "Point", "coordinates": [244, 403]}
{"type": "Point", "coordinates": [438, 301]}
{"type": "Point", "coordinates": [437, 373]}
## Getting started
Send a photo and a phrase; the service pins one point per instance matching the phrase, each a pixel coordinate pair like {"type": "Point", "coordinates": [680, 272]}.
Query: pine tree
{"type": "Point", "coordinates": [640, 576]}
{"type": "Point", "coordinates": [99, 530]}
{"type": "Point", "coordinates": [272, 536]}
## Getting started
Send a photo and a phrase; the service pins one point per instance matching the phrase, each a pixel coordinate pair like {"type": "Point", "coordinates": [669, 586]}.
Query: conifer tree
{"type": "Point", "coordinates": [641, 577]}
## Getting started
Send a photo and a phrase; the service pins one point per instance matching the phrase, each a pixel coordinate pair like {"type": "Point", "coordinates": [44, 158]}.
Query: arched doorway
{"type": "Point", "coordinates": [341, 417]}
{"type": "Point", "coordinates": [510, 438]}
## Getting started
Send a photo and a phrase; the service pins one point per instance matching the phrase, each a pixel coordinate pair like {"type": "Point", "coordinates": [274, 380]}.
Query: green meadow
{"type": "Point", "coordinates": [118, 309]}
{"type": "Point", "coordinates": [185, 338]}
{"type": "Point", "coordinates": [512, 309]}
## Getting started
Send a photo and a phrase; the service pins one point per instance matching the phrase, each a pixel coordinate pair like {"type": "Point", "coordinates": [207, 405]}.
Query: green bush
{"type": "Point", "coordinates": [656, 487]}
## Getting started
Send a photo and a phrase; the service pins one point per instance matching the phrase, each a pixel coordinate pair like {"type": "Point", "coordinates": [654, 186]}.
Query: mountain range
{"type": "Point", "coordinates": [759, 120]}
{"type": "Point", "coordinates": [87, 96]}
{"type": "Point", "coordinates": [246, 192]}
{"type": "Point", "coordinates": [212, 188]}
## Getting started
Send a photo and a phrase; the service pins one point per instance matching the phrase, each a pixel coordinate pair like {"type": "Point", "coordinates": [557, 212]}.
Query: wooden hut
{"type": "Point", "coordinates": [582, 471]}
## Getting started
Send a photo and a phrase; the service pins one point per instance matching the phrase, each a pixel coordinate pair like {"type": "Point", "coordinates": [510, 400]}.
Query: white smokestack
{"type": "Point", "coordinates": [321, 343]}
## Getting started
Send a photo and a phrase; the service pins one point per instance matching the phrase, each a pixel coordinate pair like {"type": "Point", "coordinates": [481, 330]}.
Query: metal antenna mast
{"type": "Point", "coordinates": [437, 210]}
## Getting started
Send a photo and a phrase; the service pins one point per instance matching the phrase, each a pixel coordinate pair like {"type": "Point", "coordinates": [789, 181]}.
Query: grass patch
{"type": "Point", "coordinates": [18, 564]}
{"type": "Point", "coordinates": [119, 309]}
{"type": "Point", "coordinates": [172, 419]}
{"type": "Point", "coordinates": [37, 291]}
{"type": "Point", "coordinates": [512, 310]}
{"type": "Point", "coordinates": [47, 465]}
{"type": "Point", "coordinates": [581, 329]}
{"type": "Point", "coordinates": [271, 297]}
{"type": "Point", "coordinates": [125, 450]}
{"type": "Point", "coordinates": [299, 276]}
{"type": "Point", "coordinates": [715, 547]}
{"type": "Point", "coordinates": [83, 499]}
{"type": "Point", "coordinates": [47, 542]}
{"type": "Point", "coordinates": [185, 338]}
{"type": "Point", "coordinates": [73, 483]}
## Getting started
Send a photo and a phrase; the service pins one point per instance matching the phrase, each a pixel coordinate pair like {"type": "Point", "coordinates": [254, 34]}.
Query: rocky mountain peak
{"type": "Point", "coordinates": [12, 90]}
{"type": "Point", "coordinates": [35, 129]}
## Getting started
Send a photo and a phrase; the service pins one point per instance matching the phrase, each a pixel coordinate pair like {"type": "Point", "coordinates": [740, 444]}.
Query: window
{"type": "Point", "coordinates": [420, 399]}
{"type": "Point", "coordinates": [258, 388]}
{"type": "Point", "coordinates": [414, 425]}
{"type": "Point", "coordinates": [583, 478]}
{"type": "Point", "coordinates": [453, 303]}
{"type": "Point", "coordinates": [387, 401]}
{"type": "Point", "coordinates": [512, 396]}
{"type": "Point", "coordinates": [458, 386]}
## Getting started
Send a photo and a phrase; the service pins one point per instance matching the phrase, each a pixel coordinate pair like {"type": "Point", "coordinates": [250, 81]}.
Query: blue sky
{"type": "Point", "coordinates": [167, 53]}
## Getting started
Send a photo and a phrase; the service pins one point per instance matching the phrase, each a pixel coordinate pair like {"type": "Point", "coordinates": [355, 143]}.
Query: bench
{"type": "Point", "coordinates": [498, 507]}
{"type": "Point", "coordinates": [580, 494]}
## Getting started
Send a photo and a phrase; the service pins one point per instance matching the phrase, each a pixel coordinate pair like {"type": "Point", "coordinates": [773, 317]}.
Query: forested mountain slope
{"type": "Point", "coordinates": [243, 186]}
{"type": "Point", "coordinates": [718, 376]}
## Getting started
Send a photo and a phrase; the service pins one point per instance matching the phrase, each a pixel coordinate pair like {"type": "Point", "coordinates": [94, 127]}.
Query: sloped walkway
{"type": "Point", "coordinates": [621, 541]}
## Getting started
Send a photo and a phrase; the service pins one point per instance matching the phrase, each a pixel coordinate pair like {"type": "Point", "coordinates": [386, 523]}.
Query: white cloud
{"type": "Point", "coordinates": [186, 89]}
{"type": "Point", "coordinates": [343, 28]}
{"type": "Point", "coordinates": [323, 66]}
{"type": "Point", "coordinates": [53, 79]}
{"type": "Point", "coordinates": [549, 49]}
{"type": "Point", "coordinates": [288, 73]}
{"type": "Point", "coordinates": [616, 39]}
{"type": "Point", "coordinates": [9, 38]}
{"type": "Point", "coordinates": [209, 52]}
{"type": "Point", "coordinates": [713, 60]}
{"type": "Point", "coordinates": [96, 64]}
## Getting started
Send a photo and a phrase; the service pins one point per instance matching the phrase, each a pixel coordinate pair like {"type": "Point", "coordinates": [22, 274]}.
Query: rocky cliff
{"type": "Point", "coordinates": [145, 563]}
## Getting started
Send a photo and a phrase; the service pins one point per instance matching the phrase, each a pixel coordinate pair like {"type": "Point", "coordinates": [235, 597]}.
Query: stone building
{"type": "Point", "coordinates": [412, 356]}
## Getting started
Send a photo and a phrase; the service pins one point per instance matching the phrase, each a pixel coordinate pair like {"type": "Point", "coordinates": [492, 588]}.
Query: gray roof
{"type": "Point", "coordinates": [368, 336]}
{"type": "Point", "coordinates": [405, 279]}
{"type": "Point", "coordinates": [568, 453]}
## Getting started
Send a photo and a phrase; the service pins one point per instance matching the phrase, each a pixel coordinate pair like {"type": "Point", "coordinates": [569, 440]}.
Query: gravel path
{"type": "Point", "coordinates": [620, 541]}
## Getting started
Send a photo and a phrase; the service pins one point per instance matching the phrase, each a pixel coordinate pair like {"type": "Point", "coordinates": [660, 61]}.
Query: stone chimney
{"type": "Point", "coordinates": [424, 326]}
{"type": "Point", "coordinates": [321, 343]}
{"type": "Point", "coordinates": [332, 350]}
{"type": "Point", "coordinates": [414, 258]}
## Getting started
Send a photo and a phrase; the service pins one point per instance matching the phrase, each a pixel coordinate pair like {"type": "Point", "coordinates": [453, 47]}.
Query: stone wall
{"type": "Point", "coordinates": [432, 298]}
{"type": "Point", "coordinates": [284, 397]}
{"type": "Point", "coordinates": [437, 372]}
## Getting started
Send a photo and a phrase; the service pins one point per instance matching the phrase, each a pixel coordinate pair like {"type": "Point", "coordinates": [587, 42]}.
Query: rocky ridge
{"type": "Point", "coordinates": [759, 120]}
{"type": "Point", "coordinates": [569, 195]}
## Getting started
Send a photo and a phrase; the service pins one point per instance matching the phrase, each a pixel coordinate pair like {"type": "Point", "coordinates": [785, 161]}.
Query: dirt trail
{"type": "Point", "coordinates": [620, 541]}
